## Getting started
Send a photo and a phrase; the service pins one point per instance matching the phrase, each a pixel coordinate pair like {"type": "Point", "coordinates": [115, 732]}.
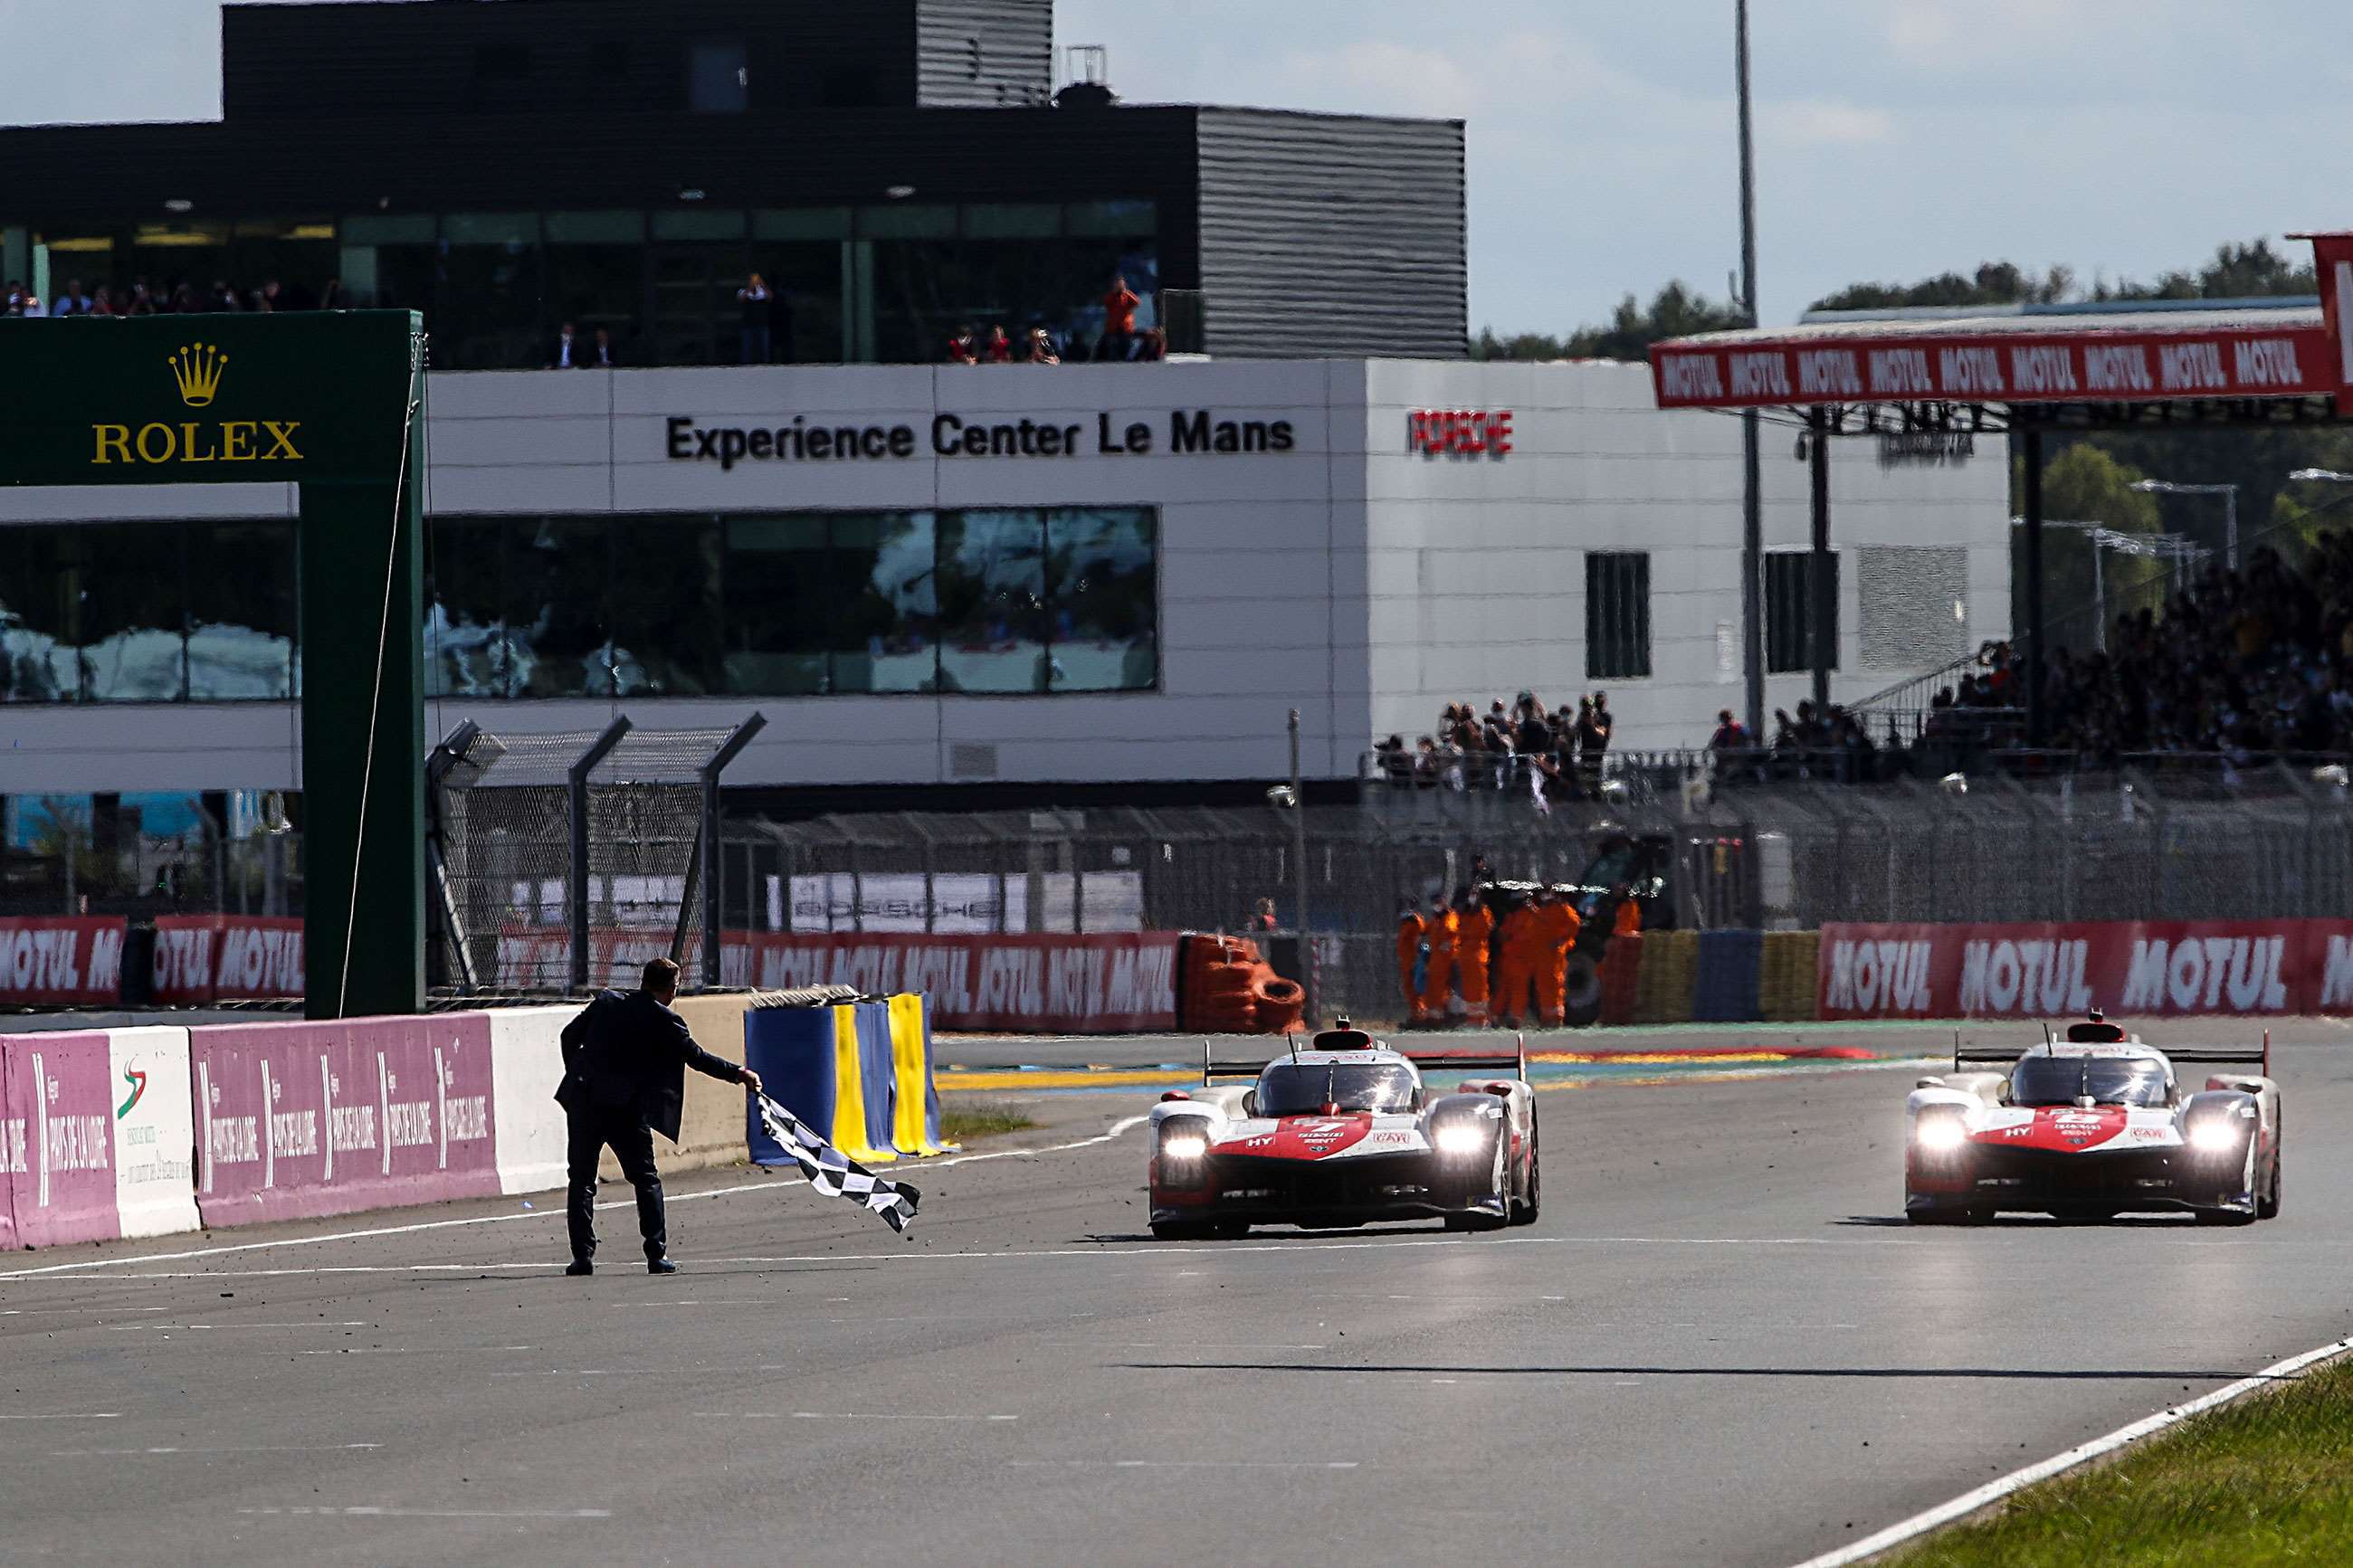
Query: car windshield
{"type": "Point", "coordinates": [1303, 1089]}
{"type": "Point", "coordinates": [2109, 1080]}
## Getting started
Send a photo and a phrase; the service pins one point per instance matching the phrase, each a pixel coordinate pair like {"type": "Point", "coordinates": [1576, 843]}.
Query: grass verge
{"type": "Point", "coordinates": [980, 1118]}
{"type": "Point", "coordinates": [2265, 1480]}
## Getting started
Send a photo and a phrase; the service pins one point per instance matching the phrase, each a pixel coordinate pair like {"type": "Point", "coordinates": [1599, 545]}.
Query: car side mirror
{"type": "Point", "coordinates": [1249, 1103]}
{"type": "Point", "coordinates": [1928, 1083]}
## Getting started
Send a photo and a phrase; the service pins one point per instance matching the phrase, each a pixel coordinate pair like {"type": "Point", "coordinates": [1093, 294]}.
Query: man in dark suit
{"type": "Point", "coordinates": [625, 1061]}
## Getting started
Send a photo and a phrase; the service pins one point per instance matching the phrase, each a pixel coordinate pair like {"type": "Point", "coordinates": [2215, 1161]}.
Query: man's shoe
{"type": "Point", "coordinates": [660, 1266]}
{"type": "Point", "coordinates": [580, 1266]}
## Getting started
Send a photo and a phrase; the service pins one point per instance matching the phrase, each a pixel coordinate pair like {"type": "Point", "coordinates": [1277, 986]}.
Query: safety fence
{"type": "Point", "coordinates": [110, 1133]}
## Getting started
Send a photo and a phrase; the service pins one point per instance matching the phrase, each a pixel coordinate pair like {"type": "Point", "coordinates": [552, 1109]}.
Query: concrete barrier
{"type": "Point", "coordinates": [710, 1133]}
{"type": "Point", "coordinates": [526, 1064]}
{"type": "Point", "coordinates": [58, 1142]}
{"type": "Point", "coordinates": [155, 1132]}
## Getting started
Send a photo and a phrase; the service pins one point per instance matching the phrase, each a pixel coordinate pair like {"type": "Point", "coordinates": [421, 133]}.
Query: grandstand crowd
{"type": "Point", "coordinates": [1551, 752]}
{"type": "Point", "coordinates": [2240, 663]}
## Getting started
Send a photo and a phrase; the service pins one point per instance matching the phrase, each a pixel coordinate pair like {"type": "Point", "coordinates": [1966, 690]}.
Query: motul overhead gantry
{"type": "Point", "coordinates": [2021, 370]}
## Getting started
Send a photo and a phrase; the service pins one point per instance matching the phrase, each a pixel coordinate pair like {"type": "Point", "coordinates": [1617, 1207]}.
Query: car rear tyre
{"type": "Point", "coordinates": [1583, 992]}
{"type": "Point", "coordinates": [1174, 1230]}
{"type": "Point", "coordinates": [2226, 1216]}
{"type": "Point", "coordinates": [1532, 1191]}
{"type": "Point", "coordinates": [2268, 1205]}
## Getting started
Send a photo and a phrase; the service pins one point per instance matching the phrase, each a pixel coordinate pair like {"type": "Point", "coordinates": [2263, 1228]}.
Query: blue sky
{"type": "Point", "coordinates": [2120, 137]}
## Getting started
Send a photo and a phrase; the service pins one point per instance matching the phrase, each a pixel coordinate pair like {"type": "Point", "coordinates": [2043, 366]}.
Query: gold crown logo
{"type": "Point", "coordinates": [197, 369]}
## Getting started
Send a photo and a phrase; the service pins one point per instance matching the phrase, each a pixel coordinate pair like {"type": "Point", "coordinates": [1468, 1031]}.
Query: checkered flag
{"type": "Point", "coordinates": [833, 1174]}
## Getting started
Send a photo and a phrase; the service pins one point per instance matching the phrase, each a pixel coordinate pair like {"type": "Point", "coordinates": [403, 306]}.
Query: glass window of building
{"type": "Point", "coordinates": [241, 624]}
{"type": "Point", "coordinates": [699, 262]}
{"type": "Point", "coordinates": [718, 77]}
{"type": "Point", "coordinates": [1789, 610]}
{"type": "Point", "coordinates": [992, 597]}
{"type": "Point", "coordinates": [40, 657]}
{"type": "Point", "coordinates": [134, 604]}
{"type": "Point", "coordinates": [557, 571]}
{"type": "Point", "coordinates": [664, 622]}
{"type": "Point", "coordinates": [392, 261]}
{"type": "Point", "coordinates": [1616, 613]}
{"type": "Point", "coordinates": [596, 278]}
{"type": "Point", "coordinates": [486, 312]}
{"type": "Point", "coordinates": [465, 633]}
{"type": "Point", "coordinates": [884, 632]}
{"type": "Point", "coordinates": [1101, 585]}
{"type": "Point", "coordinates": [783, 590]}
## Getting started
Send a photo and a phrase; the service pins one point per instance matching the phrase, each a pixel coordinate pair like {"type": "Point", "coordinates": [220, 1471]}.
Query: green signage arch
{"type": "Point", "coordinates": [328, 402]}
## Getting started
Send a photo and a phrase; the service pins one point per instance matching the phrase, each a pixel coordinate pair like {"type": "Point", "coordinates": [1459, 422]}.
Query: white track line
{"type": "Point", "coordinates": [1118, 1128]}
{"type": "Point", "coordinates": [1994, 1491]}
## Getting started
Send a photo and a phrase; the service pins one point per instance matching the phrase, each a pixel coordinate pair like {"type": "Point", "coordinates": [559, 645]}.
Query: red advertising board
{"type": "Point", "coordinates": [2275, 359]}
{"type": "Point", "coordinates": [1115, 983]}
{"type": "Point", "coordinates": [299, 1120]}
{"type": "Point", "coordinates": [209, 958]}
{"type": "Point", "coordinates": [56, 1139]}
{"type": "Point", "coordinates": [61, 959]}
{"type": "Point", "coordinates": [2139, 968]}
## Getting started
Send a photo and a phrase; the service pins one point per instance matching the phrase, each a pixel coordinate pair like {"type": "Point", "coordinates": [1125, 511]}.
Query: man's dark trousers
{"type": "Point", "coordinates": [590, 1131]}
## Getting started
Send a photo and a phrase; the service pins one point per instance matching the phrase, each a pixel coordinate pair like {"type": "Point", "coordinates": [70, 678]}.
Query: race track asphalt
{"type": "Point", "coordinates": [1719, 1346]}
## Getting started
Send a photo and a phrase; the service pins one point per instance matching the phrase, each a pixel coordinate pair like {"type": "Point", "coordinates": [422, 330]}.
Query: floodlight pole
{"type": "Point", "coordinates": [576, 783]}
{"type": "Point", "coordinates": [1752, 477]}
{"type": "Point", "coordinates": [1820, 593]}
{"type": "Point", "coordinates": [2029, 443]}
{"type": "Point", "coordinates": [1298, 874]}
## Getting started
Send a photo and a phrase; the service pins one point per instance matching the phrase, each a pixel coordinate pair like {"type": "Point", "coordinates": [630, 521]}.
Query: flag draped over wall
{"type": "Point", "coordinates": [833, 1174]}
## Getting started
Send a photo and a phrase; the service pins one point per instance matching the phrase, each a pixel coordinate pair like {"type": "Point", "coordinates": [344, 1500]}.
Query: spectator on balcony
{"type": "Point", "coordinates": [570, 352]}
{"type": "Point", "coordinates": [998, 349]}
{"type": "Point", "coordinates": [1391, 757]}
{"type": "Point", "coordinates": [186, 301]}
{"type": "Point", "coordinates": [965, 347]}
{"type": "Point", "coordinates": [1731, 735]}
{"type": "Point", "coordinates": [223, 297]}
{"type": "Point", "coordinates": [334, 298]}
{"type": "Point", "coordinates": [755, 303]}
{"type": "Point", "coordinates": [142, 301]}
{"type": "Point", "coordinates": [1041, 347]}
{"type": "Point", "coordinates": [1151, 346]}
{"type": "Point", "coordinates": [602, 354]}
{"type": "Point", "coordinates": [103, 302]}
{"type": "Point", "coordinates": [1118, 340]}
{"type": "Point", "coordinates": [72, 302]}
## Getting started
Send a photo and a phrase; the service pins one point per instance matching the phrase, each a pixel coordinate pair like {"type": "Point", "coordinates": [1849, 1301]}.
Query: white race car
{"type": "Point", "coordinates": [2094, 1126]}
{"type": "Point", "coordinates": [1342, 1133]}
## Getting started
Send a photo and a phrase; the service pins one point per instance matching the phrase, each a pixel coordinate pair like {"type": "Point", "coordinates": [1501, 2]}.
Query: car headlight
{"type": "Point", "coordinates": [1461, 1138]}
{"type": "Point", "coordinates": [1940, 1134]}
{"type": "Point", "coordinates": [1184, 1146]}
{"type": "Point", "coordinates": [2214, 1136]}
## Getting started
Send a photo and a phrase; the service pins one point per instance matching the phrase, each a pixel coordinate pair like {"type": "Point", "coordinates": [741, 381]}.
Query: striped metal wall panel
{"type": "Point", "coordinates": [1332, 235]}
{"type": "Point", "coordinates": [984, 54]}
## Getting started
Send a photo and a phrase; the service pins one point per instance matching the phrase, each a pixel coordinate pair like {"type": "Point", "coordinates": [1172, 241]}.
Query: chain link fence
{"type": "Point", "coordinates": [544, 845]}
{"type": "Point", "coordinates": [2190, 839]}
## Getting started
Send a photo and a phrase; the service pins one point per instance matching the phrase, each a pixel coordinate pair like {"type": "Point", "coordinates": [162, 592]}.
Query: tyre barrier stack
{"type": "Point", "coordinates": [1786, 986]}
{"type": "Point", "coordinates": [1663, 994]}
{"type": "Point", "coordinates": [860, 1072]}
{"type": "Point", "coordinates": [1229, 988]}
{"type": "Point", "coordinates": [1725, 992]}
{"type": "Point", "coordinates": [1621, 973]}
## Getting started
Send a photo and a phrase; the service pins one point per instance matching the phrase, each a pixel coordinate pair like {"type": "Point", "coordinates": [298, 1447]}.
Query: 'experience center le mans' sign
{"type": "Point", "coordinates": [801, 439]}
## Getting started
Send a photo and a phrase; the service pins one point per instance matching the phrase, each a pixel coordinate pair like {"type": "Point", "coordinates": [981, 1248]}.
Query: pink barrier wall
{"type": "Point", "coordinates": [1072, 984]}
{"type": "Point", "coordinates": [300, 1120]}
{"type": "Point", "coordinates": [61, 959]}
{"type": "Point", "coordinates": [2178, 968]}
{"type": "Point", "coordinates": [56, 1139]}
{"type": "Point", "coordinates": [206, 958]}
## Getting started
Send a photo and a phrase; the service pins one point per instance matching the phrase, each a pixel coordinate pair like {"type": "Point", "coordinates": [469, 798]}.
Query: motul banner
{"type": "Point", "coordinates": [61, 961]}
{"type": "Point", "coordinates": [2333, 263]}
{"type": "Point", "coordinates": [1121, 981]}
{"type": "Point", "coordinates": [2289, 359]}
{"type": "Point", "coordinates": [209, 958]}
{"type": "Point", "coordinates": [2052, 971]}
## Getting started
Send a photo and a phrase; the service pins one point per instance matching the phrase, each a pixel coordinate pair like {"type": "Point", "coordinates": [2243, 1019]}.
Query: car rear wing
{"type": "Point", "coordinates": [1474, 1061]}
{"type": "Point", "coordinates": [2202, 1056]}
